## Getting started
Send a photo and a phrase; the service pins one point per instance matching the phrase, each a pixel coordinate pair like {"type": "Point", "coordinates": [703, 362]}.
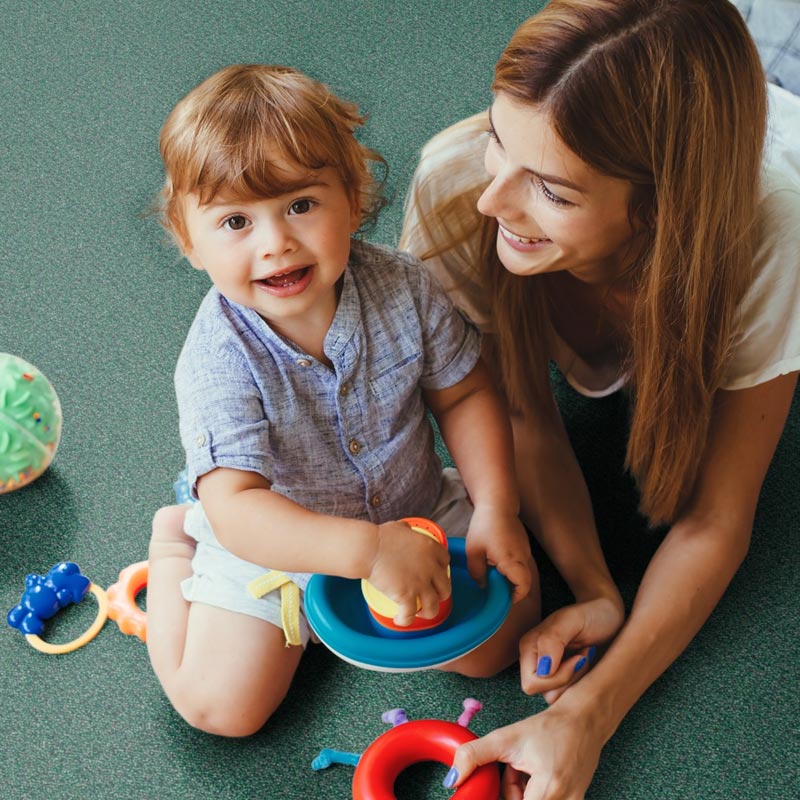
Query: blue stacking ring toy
{"type": "Point", "coordinates": [338, 614]}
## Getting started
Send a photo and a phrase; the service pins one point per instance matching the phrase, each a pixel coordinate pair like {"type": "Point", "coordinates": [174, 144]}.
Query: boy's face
{"type": "Point", "coordinates": [281, 256]}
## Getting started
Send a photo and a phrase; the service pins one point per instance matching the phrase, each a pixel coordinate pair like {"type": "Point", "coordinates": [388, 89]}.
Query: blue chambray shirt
{"type": "Point", "coordinates": [352, 440]}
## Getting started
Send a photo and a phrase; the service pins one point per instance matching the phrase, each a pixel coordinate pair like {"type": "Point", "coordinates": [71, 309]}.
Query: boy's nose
{"type": "Point", "coordinates": [275, 239]}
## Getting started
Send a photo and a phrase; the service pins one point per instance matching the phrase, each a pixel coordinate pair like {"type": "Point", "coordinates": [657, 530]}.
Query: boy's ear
{"type": "Point", "coordinates": [185, 246]}
{"type": "Point", "coordinates": [355, 215]}
{"type": "Point", "coordinates": [188, 254]}
{"type": "Point", "coordinates": [355, 210]}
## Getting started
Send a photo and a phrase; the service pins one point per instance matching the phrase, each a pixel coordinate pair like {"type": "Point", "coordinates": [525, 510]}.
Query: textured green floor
{"type": "Point", "coordinates": [91, 294]}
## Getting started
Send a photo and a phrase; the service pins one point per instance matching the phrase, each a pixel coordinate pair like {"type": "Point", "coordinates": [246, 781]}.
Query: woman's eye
{"type": "Point", "coordinates": [553, 198]}
{"type": "Point", "coordinates": [492, 134]}
{"type": "Point", "coordinates": [236, 222]}
{"type": "Point", "coordinates": [300, 207]}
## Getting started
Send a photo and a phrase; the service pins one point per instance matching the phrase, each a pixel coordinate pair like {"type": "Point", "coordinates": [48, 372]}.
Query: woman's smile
{"type": "Point", "coordinates": [523, 243]}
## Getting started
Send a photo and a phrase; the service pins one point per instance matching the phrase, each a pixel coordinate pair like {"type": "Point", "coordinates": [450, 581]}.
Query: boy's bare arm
{"type": "Point", "coordinates": [476, 428]}
{"type": "Point", "coordinates": [264, 527]}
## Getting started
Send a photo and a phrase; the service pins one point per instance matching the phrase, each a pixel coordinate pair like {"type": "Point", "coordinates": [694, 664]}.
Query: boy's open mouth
{"type": "Point", "coordinates": [284, 279]}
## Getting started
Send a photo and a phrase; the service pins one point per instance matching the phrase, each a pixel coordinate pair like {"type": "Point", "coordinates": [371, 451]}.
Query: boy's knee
{"type": "Point", "coordinates": [221, 717]}
{"type": "Point", "coordinates": [485, 667]}
{"type": "Point", "coordinates": [168, 520]}
{"type": "Point", "coordinates": [168, 538]}
{"type": "Point", "coordinates": [218, 712]}
{"type": "Point", "coordinates": [221, 722]}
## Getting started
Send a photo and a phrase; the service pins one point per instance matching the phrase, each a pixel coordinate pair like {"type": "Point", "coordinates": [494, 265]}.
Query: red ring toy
{"type": "Point", "coordinates": [122, 606]}
{"type": "Point", "coordinates": [412, 742]}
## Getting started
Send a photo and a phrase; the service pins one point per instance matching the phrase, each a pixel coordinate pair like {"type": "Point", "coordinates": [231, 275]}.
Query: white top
{"type": "Point", "coordinates": [767, 341]}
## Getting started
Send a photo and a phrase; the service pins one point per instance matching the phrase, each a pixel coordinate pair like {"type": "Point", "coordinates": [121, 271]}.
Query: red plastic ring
{"type": "Point", "coordinates": [412, 742]}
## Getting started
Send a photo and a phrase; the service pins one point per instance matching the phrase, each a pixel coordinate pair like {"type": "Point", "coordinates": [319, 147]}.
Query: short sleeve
{"type": "Point", "coordinates": [768, 340]}
{"type": "Point", "coordinates": [449, 179]}
{"type": "Point", "coordinates": [451, 342]}
{"type": "Point", "coordinates": [767, 343]}
{"type": "Point", "coordinates": [221, 415]}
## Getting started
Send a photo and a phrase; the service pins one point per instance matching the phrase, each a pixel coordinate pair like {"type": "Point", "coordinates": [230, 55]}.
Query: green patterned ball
{"type": "Point", "coordinates": [30, 422]}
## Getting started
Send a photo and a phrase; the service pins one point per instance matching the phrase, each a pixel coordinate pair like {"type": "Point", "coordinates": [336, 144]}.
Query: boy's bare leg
{"type": "Point", "coordinates": [225, 673]}
{"type": "Point", "coordinates": [502, 649]}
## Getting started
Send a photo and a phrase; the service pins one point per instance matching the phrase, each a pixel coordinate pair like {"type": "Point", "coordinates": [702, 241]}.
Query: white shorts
{"type": "Point", "coordinates": [220, 578]}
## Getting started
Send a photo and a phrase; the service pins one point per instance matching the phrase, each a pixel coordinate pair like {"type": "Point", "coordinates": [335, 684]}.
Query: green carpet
{"type": "Point", "coordinates": [93, 295]}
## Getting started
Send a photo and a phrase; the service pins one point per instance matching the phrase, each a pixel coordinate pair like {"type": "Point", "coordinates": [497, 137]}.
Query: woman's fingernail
{"type": "Point", "coordinates": [590, 655]}
{"type": "Point", "coordinates": [450, 779]}
{"type": "Point", "coordinates": [543, 667]}
{"type": "Point", "coordinates": [580, 664]}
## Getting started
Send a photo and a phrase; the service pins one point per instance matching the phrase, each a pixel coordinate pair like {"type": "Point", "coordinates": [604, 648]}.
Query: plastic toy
{"type": "Point", "coordinates": [122, 607]}
{"type": "Point", "coordinates": [408, 743]}
{"type": "Point", "coordinates": [337, 613]}
{"type": "Point", "coordinates": [45, 596]}
{"type": "Point", "coordinates": [30, 423]}
{"type": "Point", "coordinates": [383, 608]}
{"type": "Point", "coordinates": [183, 493]}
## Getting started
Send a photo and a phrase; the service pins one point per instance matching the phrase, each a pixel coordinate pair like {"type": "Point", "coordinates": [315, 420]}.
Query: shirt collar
{"type": "Point", "coordinates": [346, 319]}
{"type": "Point", "coordinates": [344, 324]}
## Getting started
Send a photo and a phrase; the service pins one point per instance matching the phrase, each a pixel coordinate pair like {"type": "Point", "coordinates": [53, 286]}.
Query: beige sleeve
{"type": "Point", "coordinates": [768, 340]}
{"type": "Point", "coordinates": [442, 225]}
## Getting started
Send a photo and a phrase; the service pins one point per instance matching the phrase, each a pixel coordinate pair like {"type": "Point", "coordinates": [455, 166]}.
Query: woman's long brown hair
{"type": "Point", "coordinates": [669, 95]}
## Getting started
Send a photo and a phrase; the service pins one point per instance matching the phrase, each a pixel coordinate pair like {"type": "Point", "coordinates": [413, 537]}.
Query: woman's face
{"type": "Point", "coordinates": [555, 212]}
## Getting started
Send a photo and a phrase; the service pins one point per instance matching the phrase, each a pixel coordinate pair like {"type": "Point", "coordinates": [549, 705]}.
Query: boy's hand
{"type": "Point", "coordinates": [411, 569]}
{"type": "Point", "coordinates": [499, 539]}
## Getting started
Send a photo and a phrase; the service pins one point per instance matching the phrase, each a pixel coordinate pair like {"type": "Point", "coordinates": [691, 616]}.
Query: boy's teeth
{"type": "Point", "coordinates": [285, 278]}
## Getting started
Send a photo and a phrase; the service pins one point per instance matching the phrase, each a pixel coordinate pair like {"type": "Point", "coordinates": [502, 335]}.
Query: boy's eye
{"type": "Point", "coordinates": [236, 222]}
{"type": "Point", "coordinates": [300, 207]}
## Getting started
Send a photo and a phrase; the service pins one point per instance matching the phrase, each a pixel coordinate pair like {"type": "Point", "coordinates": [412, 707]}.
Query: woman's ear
{"type": "Point", "coordinates": [645, 213]}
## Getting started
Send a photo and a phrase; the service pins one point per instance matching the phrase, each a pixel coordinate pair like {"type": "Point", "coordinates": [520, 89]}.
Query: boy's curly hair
{"type": "Point", "coordinates": [234, 131]}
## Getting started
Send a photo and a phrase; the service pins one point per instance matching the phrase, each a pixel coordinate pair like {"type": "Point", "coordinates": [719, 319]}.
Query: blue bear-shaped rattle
{"type": "Point", "coordinates": [45, 596]}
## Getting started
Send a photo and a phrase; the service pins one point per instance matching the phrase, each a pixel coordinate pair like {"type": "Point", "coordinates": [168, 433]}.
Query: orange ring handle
{"type": "Point", "coordinates": [122, 606]}
{"type": "Point", "coordinates": [412, 742]}
{"type": "Point", "coordinates": [68, 647]}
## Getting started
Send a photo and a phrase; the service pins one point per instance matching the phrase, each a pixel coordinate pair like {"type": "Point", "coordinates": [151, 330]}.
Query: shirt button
{"type": "Point", "coordinates": [355, 447]}
{"type": "Point", "coordinates": [200, 440]}
{"type": "Point", "coordinates": [375, 501]}
{"type": "Point", "coordinates": [303, 362]}
{"type": "Point", "coordinates": [343, 389]}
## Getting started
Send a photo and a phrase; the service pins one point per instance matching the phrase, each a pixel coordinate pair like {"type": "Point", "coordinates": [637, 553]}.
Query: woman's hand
{"type": "Point", "coordinates": [549, 756]}
{"type": "Point", "coordinates": [499, 539]}
{"type": "Point", "coordinates": [562, 647]}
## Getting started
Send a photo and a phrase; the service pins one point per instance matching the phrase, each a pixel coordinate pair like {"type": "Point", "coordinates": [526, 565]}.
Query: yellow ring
{"type": "Point", "coordinates": [86, 637]}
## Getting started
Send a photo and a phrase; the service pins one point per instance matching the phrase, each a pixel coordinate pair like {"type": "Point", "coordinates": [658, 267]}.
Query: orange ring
{"type": "Point", "coordinates": [412, 742]}
{"type": "Point", "coordinates": [86, 637]}
{"type": "Point", "coordinates": [122, 606]}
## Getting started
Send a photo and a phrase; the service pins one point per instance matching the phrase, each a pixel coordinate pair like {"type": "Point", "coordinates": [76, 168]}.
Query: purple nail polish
{"type": "Point", "coordinates": [543, 667]}
{"type": "Point", "coordinates": [450, 779]}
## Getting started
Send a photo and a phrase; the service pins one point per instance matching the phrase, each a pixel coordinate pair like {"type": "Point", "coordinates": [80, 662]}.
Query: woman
{"type": "Point", "coordinates": [629, 231]}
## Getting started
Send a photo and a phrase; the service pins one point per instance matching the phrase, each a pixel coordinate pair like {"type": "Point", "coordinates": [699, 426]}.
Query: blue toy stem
{"type": "Point", "coordinates": [327, 757]}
